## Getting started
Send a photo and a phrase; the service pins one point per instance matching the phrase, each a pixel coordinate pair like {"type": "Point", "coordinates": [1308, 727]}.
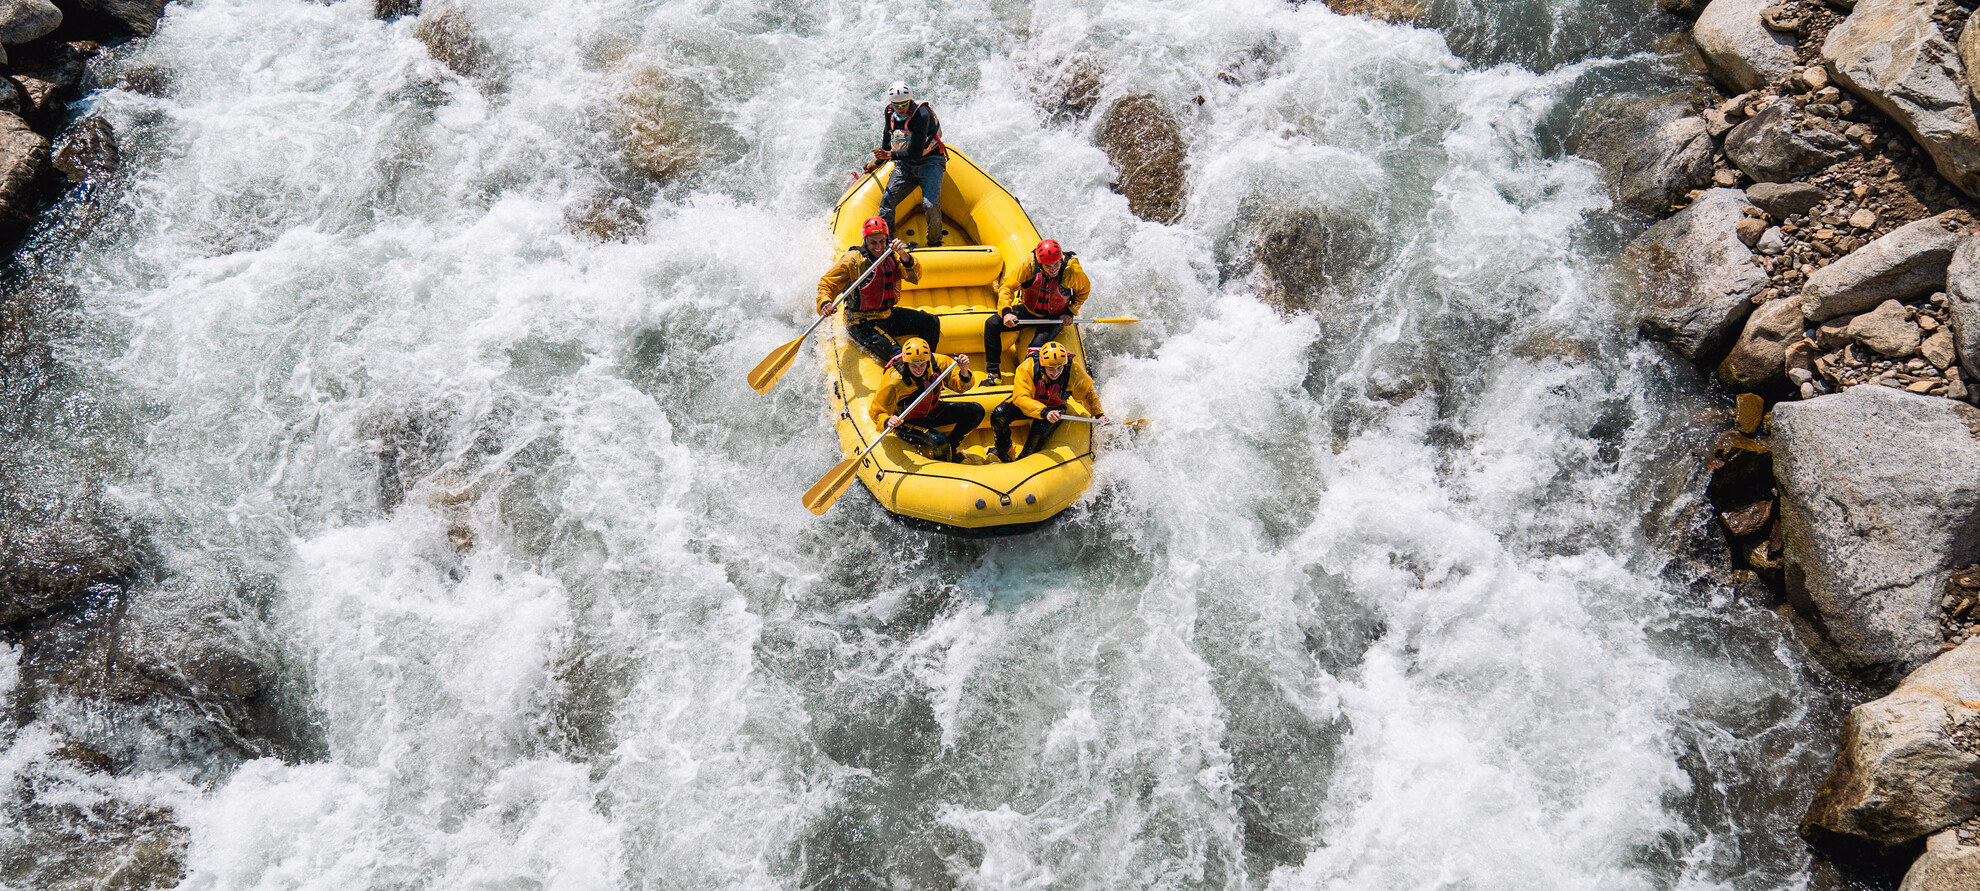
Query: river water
{"type": "Point", "coordinates": [1402, 590]}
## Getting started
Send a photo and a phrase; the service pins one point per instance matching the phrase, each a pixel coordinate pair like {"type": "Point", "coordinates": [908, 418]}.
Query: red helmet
{"type": "Point", "coordinates": [879, 225]}
{"type": "Point", "coordinates": [1047, 252]}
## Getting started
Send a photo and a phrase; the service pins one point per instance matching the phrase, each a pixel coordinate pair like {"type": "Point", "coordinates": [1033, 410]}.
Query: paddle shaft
{"type": "Point", "coordinates": [1073, 321]}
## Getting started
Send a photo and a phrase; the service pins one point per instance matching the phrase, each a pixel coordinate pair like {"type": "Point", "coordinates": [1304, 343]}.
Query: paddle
{"type": "Point", "coordinates": [823, 494]}
{"type": "Point", "coordinates": [1111, 321]}
{"type": "Point", "coordinates": [1132, 424]}
{"type": "Point", "coordinates": [768, 372]}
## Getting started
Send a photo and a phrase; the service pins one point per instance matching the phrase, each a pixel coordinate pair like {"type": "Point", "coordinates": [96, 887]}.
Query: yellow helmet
{"type": "Point", "coordinates": [1052, 355]}
{"type": "Point", "coordinates": [915, 351]}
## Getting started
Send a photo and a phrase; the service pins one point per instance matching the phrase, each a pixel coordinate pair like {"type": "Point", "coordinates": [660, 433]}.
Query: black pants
{"type": "Point", "coordinates": [1008, 414]}
{"type": "Point", "coordinates": [959, 417]}
{"type": "Point", "coordinates": [994, 327]}
{"type": "Point", "coordinates": [881, 338]}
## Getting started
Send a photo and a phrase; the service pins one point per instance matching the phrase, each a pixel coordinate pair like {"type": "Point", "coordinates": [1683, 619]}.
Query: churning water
{"type": "Point", "coordinates": [1393, 592]}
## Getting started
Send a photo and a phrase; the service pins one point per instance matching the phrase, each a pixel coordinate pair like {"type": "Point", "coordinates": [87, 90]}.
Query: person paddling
{"type": "Point", "coordinates": [1046, 386]}
{"type": "Point", "coordinates": [872, 319]}
{"type": "Point", "coordinates": [911, 137]}
{"type": "Point", "coordinates": [1048, 285]}
{"type": "Point", "coordinates": [907, 375]}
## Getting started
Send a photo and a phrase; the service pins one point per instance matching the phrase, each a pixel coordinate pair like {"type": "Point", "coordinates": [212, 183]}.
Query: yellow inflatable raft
{"type": "Point", "coordinates": [986, 232]}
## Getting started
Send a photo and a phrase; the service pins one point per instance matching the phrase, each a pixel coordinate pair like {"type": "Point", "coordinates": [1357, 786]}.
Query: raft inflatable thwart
{"type": "Point", "coordinates": [984, 232]}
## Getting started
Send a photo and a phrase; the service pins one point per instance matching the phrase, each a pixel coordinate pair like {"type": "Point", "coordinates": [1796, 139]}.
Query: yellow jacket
{"type": "Point", "coordinates": [896, 391]}
{"type": "Point", "coordinates": [1010, 292]}
{"type": "Point", "coordinates": [845, 269]}
{"type": "Point", "coordinates": [1081, 400]}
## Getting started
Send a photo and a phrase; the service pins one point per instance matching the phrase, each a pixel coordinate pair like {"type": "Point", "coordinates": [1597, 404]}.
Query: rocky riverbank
{"type": "Point", "coordinates": [1820, 258]}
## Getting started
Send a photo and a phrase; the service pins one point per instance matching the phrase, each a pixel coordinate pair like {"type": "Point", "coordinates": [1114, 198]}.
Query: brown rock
{"type": "Point", "coordinates": [1946, 865]}
{"type": "Point", "coordinates": [1864, 219]}
{"type": "Point", "coordinates": [90, 152]}
{"type": "Point", "coordinates": [1938, 349]}
{"type": "Point", "coordinates": [23, 158]}
{"type": "Point", "coordinates": [1834, 333]}
{"type": "Point", "coordinates": [1749, 229]}
{"type": "Point", "coordinates": [1886, 330]}
{"type": "Point", "coordinates": [1898, 775]}
{"type": "Point", "coordinates": [1750, 408]}
{"type": "Point", "coordinates": [1760, 354]}
{"type": "Point", "coordinates": [1145, 145]}
{"type": "Point", "coordinates": [1748, 520]}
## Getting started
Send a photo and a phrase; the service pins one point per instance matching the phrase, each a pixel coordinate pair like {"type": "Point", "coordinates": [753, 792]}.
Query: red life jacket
{"type": "Point", "coordinates": [919, 384]}
{"type": "Point", "coordinates": [882, 290]}
{"type": "Point", "coordinates": [892, 122]}
{"type": "Point", "coordinates": [1047, 296]}
{"type": "Point", "coordinates": [1049, 391]}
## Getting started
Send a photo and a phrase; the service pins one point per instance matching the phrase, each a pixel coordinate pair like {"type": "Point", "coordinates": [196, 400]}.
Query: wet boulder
{"type": "Point", "coordinates": [1771, 148]}
{"type": "Point", "coordinates": [1655, 151]}
{"type": "Point", "coordinates": [1893, 55]}
{"type": "Point", "coordinates": [451, 39]}
{"type": "Point", "coordinates": [1151, 162]}
{"type": "Point", "coordinates": [139, 17]}
{"type": "Point", "coordinates": [1309, 253]}
{"type": "Point", "coordinates": [1880, 502]}
{"type": "Point", "coordinates": [1900, 772]}
{"type": "Point", "coordinates": [393, 10]}
{"type": "Point", "coordinates": [666, 129]}
{"type": "Point", "coordinates": [1946, 865]}
{"type": "Point", "coordinates": [1740, 51]}
{"type": "Point", "coordinates": [90, 151]}
{"type": "Point", "coordinates": [1699, 277]}
{"type": "Point", "coordinates": [1760, 354]}
{"type": "Point", "coordinates": [1906, 262]}
{"type": "Point", "coordinates": [50, 77]}
{"type": "Point", "coordinates": [55, 546]}
{"type": "Point", "coordinates": [1963, 303]}
{"type": "Point", "coordinates": [1068, 88]}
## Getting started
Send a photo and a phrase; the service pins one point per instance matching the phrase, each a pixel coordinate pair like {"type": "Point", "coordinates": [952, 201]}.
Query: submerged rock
{"type": "Point", "coordinates": [54, 546]}
{"type": "Point", "coordinates": [665, 126]}
{"type": "Point", "coordinates": [1909, 261]}
{"type": "Point", "coordinates": [1069, 88]}
{"type": "Point", "coordinates": [1892, 53]}
{"type": "Point", "coordinates": [1770, 148]}
{"type": "Point", "coordinates": [1654, 151]}
{"type": "Point", "coordinates": [450, 38]}
{"type": "Point", "coordinates": [393, 10]}
{"type": "Point", "coordinates": [1880, 501]}
{"type": "Point", "coordinates": [1741, 52]}
{"type": "Point", "coordinates": [1309, 253]}
{"type": "Point", "coordinates": [1145, 145]}
{"type": "Point", "coordinates": [1699, 276]}
{"type": "Point", "coordinates": [1899, 774]}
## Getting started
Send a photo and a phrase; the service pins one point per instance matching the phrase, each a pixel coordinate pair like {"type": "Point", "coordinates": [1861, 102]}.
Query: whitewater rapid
{"type": "Point", "coordinates": [1398, 591]}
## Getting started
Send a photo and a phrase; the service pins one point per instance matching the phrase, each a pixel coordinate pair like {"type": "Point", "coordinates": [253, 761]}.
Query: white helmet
{"type": "Point", "coordinates": [898, 92]}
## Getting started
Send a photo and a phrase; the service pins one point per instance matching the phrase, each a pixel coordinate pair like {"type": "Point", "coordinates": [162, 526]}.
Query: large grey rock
{"type": "Point", "coordinates": [1892, 54]}
{"type": "Point", "coordinates": [1946, 864]}
{"type": "Point", "coordinates": [1880, 501]}
{"type": "Point", "coordinates": [1655, 151]}
{"type": "Point", "coordinates": [1771, 149]}
{"type": "Point", "coordinates": [1699, 277]}
{"type": "Point", "coordinates": [1908, 261]}
{"type": "Point", "coordinates": [25, 20]}
{"type": "Point", "coordinates": [1963, 303]}
{"type": "Point", "coordinates": [1760, 355]}
{"type": "Point", "coordinates": [1899, 773]}
{"type": "Point", "coordinates": [1740, 51]}
{"type": "Point", "coordinates": [1783, 200]}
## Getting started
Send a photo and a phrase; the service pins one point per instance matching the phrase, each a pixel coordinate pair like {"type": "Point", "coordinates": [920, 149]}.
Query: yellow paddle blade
{"type": "Point", "coordinates": [1116, 319]}
{"type": "Point", "coordinates": [823, 494]}
{"type": "Point", "coordinates": [767, 372]}
{"type": "Point", "coordinates": [1135, 424]}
